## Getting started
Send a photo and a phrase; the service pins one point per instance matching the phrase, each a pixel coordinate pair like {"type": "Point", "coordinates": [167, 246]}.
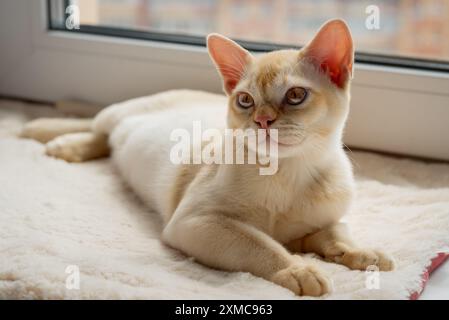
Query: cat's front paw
{"type": "Point", "coordinates": [362, 259]}
{"type": "Point", "coordinates": [303, 280]}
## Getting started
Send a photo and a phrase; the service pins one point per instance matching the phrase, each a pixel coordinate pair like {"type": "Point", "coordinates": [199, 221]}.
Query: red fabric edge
{"type": "Point", "coordinates": [434, 264]}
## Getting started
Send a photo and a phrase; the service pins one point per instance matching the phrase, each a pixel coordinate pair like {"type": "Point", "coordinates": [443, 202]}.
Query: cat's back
{"type": "Point", "coordinates": [144, 130]}
{"type": "Point", "coordinates": [175, 107]}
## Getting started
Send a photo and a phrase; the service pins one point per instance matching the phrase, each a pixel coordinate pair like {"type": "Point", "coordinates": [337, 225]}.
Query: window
{"type": "Point", "coordinates": [410, 33]}
{"type": "Point", "coordinates": [400, 93]}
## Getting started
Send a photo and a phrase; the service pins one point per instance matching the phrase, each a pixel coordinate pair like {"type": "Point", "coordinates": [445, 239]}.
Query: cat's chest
{"type": "Point", "coordinates": [292, 211]}
{"type": "Point", "coordinates": [306, 216]}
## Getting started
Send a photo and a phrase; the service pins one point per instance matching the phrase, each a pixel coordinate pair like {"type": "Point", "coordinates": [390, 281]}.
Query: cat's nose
{"type": "Point", "coordinates": [264, 120]}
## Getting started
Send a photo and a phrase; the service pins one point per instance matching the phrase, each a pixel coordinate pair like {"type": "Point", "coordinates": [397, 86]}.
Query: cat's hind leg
{"type": "Point", "coordinates": [78, 147]}
{"type": "Point", "coordinates": [46, 129]}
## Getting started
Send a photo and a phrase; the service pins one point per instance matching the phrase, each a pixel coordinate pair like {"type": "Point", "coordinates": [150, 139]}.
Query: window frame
{"type": "Point", "coordinates": [393, 109]}
{"type": "Point", "coordinates": [253, 46]}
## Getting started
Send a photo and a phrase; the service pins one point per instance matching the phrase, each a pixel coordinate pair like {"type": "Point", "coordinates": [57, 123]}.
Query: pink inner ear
{"type": "Point", "coordinates": [338, 72]}
{"type": "Point", "coordinates": [230, 59]}
{"type": "Point", "coordinates": [332, 51]}
{"type": "Point", "coordinates": [230, 85]}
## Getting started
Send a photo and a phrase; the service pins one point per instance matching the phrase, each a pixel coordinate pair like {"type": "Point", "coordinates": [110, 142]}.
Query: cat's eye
{"type": "Point", "coordinates": [244, 100]}
{"type": "Point", "coordinates": [296, 96]}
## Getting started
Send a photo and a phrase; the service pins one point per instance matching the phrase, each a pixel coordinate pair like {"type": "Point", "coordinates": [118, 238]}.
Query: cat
{"type": "Point", "coordinates": [230, 217]}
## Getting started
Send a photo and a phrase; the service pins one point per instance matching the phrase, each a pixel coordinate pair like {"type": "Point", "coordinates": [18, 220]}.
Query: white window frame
{"type": "Point", "coordinates": [397, 110]}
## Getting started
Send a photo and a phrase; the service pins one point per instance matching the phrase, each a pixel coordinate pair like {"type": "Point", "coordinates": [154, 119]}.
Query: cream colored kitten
{"type": "Point", "coordinates": [229, 216]}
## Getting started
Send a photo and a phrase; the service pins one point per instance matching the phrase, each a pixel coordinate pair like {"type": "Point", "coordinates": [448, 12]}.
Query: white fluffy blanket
{"type": "Point", "coordinates": [54, 215]}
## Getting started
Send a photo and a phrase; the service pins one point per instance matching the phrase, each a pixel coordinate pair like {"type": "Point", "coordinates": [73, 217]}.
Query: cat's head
{"type": "Point", "coordinates": [304, 94]}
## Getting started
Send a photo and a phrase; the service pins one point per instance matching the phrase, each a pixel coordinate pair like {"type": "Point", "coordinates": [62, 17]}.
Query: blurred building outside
{"type": "Point", "coordinates": [414, 28]}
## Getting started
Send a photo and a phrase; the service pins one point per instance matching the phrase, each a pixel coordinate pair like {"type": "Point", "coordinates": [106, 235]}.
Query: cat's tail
{"type": "Point", "coordinates": [46, 129]}
{"type": "Point", "coordinates": [69, 139]}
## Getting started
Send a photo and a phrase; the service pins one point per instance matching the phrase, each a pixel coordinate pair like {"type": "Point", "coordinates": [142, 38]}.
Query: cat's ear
{"type": "Point", "coordinates": [332, 51]}
{"type": "Point", "coordinates": [230, 59]}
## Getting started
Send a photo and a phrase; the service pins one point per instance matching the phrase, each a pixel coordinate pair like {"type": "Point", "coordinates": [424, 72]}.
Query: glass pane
{"type": "Point", "coordinates": [411, 28]}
